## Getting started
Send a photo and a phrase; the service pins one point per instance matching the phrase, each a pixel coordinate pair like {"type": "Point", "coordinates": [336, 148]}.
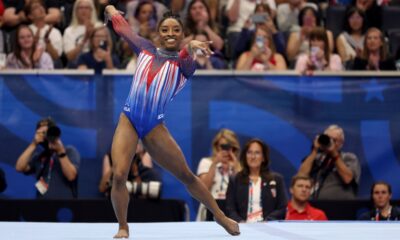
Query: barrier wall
{"type": "Point", "coordinates": [283, 109]}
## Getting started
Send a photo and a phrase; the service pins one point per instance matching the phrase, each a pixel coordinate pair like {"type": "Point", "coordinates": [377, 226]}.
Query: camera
{"type": "Point", "coordinates": [226, 147]}
{"type": "Point", "coordinates": [148, 190]}
{"type": "Point", "coordinates": [324, 141]}
{"type": "Point", "coordinates": [103, 45]}
{"type": "Point", "coordinates": [53, 133]}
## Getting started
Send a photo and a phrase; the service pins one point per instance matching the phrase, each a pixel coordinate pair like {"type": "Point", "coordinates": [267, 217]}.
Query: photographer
{"type": "Point", "coordinates": [336, 174]}
{"type": "Point", "coordinates": [55, 166]}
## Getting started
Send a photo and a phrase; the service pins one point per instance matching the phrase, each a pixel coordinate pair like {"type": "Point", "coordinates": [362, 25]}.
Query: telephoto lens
{"type": "Point", "coordinates": [324, 141]}
{"type": "Point", "coordinates": [53, 133]}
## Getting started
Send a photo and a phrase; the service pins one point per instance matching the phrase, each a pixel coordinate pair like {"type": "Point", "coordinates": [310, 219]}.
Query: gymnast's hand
{"type": "Point", "coordinates": [199, 47]}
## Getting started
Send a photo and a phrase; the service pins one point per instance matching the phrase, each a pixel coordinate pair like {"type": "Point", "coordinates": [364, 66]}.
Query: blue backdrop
{"type": "Point", "coordinates": [285, 111]}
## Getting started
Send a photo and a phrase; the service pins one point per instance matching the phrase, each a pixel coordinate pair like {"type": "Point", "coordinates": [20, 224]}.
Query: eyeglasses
{"type": "Point", "coordinates": [255, 153]}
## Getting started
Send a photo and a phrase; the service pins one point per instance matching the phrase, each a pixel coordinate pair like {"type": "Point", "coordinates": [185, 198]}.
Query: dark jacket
{"type": "Point", "coordinates": [237, 197]}
{"type": "Point", "coordinates": [387, 65]}
{"type": "Point", "coordinates": [371, 215]}
{"type": "Point", "coordinates": [3, 183]}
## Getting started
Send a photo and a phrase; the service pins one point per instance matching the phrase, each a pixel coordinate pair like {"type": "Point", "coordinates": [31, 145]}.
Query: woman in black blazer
{"type": "Point", "coordinates": [255, 191]}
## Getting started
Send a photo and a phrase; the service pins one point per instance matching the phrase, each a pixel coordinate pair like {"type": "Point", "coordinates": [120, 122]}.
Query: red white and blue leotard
{"type": "Point", "coordinates": [160, 75]}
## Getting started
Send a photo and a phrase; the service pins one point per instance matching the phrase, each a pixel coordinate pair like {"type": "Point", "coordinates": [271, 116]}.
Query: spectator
{"type": "Point", "coordinates": [336, 174]}
{"type": "Point", "coordinates": [288, 14]}
{"type": "Point", "coordinates": [215, 61]}
{"type": "Point", "coordinates": [132, 5]}
{"type": "Point", "coordinates": [128, 58]}
{"type": "Point", "coordinates": [3, 182]}
{"type": "Point", "coordinates": [350, 42]}
{"type": "Point", "coordinates": [375, 54]}
{"type": "Point", "coordinates": [214, 171]}
{"type": "Point", "coordinates": [54, 165]}
{"type": "Point", "coordinates": [381, 194]}
{"type": "Point", "coordinates": [261, 19]}
{"type": "Point", "coordinates": [373, 12]}
{"type": "Point", "coordinates": [255, 191]}
{"type": "Point", "coordinates": [238, 12]}
{"type": "Point", "coordinates": [262, 55]}
{"type": "Point", "coordinates": [14, 13]}
{"type": "Point", "coordinates": [144, 21]}
{"type": "Point", "coordinates": [77, 35]}
{"type": "Point", "coordinates": [141, 171]}
{"type": "Point", "coordinates": [26, 53]}
{"type": "Point", "coordinates": [100, 55]}
{"type": "Point", "coordinates": [299, 208]}
{"type": "Point", "coordinates": [197, 20]}
{"type": "Point", "coordinates": [48, 37]}
{"type": "Point", "coordinates": [299, 41]}
{"type": "Point", "coordinates": [319, 57]}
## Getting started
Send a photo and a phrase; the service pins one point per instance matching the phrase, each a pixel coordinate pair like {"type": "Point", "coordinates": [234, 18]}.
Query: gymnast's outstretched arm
{"type": "Point", "coordinates": [122, 28]}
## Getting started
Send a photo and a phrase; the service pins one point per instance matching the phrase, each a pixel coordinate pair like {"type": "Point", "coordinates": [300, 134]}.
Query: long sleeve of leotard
{"type": "Point", "coordinates": [122, 28]}
{"type": "Point", "coordinates": [186, 62]}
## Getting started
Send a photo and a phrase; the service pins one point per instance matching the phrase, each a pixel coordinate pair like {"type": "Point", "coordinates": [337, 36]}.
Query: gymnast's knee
{"type": "Point", "coordinates": [119, 179]}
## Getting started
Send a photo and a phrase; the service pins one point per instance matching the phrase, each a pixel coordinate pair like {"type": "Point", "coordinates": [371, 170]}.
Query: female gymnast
{"type": "Point", "coordinates": [161, 73]}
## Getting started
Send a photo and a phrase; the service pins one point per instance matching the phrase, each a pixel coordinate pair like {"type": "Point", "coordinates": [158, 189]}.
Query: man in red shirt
{"type": "Point", "coordinates": [298, 207]}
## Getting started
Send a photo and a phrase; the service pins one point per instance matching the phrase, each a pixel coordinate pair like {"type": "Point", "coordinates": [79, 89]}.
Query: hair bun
{"type": "Point", "coordinates": [170, 14]}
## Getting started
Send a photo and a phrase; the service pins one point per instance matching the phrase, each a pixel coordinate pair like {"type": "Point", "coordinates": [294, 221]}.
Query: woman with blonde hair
{"type": "Point", "coordinates": [77, 35]}
{"type": "Point", "coordinates": [215, 171]}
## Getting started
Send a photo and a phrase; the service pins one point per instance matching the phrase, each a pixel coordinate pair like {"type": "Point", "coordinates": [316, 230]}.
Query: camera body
{"type": "Point", "coordinates": [103, 45]}
{"type": "Point", "coordinates": [226, 146]}
{"type": "Point", "coordinates": [53, 133]}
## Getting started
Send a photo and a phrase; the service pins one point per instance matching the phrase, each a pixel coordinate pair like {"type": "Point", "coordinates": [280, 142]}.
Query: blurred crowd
{"type": "Point", "coordinates": [256, 35]}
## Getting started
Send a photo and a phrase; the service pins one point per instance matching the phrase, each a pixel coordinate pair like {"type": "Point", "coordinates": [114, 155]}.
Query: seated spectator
{"type": "Point", "coordinates": [14, 13]}
{"type": "Point", "coordinates": [215, 61]}
{"type": "Point", "coordinates": [132, 5]}
{"type": "Point", "coordinates": [214, 171]}
{"type": "Point", "coordinates": [26, 53]}
{"type": "Point", "coordinates": [49, 38]}
{"type": "Point", "coordinates": [54, 165]}
{"type": "Point", "coordinates": [198, 20]}
{"type": "Point", "coordinates": [77, 35]}
{"type": "Point", "coordinates": [262, 55]}
{"type": "Point", "coordinates": [142, 171]}
{"type": "Point", "coordinates": [299, 41]}
{"type": "Point", "coordinates": [319, 57]}
{"type": "Point", "coordinates": [3, 182]}
{"type": "Point", "coordinates": [381, 194]}
{"type": "Point", "coordinates": [336, 174]}
{"type": "Point", "coordinates": [261, 19]}
{"type": "Point", "coordinates": [288, 14]}
{"type": "Point", "coordinates": [299, 208]}
{"type": "Point", "coordinates": [100, 55]}
{"type": "Point", "coordinates": [375, 56]}
{"type": "Point", "coordinates": [144, 21]}
{"type": "Point", "coordinates": [255, 191]}
{"type": "Point", "coordinates": [350, 42]}
{"type": "Point", "coordinates": [373, 12]}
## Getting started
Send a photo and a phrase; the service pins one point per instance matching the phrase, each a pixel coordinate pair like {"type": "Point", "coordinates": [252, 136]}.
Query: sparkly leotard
{"type": "Point", "coordinates": [159, 76]}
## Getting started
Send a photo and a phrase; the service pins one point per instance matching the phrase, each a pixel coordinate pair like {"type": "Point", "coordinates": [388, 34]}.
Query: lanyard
{"type": "Point", "coordinates": [51, 164]}
{"type": "Point", "coordinates": [378, 214]}
{"type": "Point", "coordinates": [251, 193]}
{"type": "Point", "coordinates": [224, 179]}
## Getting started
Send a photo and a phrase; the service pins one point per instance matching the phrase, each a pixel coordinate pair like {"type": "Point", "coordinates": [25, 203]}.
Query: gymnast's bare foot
{"type": "Point", "coordinates": [123, 232]}
{"type": "Point", "coordinates": [231, 226]}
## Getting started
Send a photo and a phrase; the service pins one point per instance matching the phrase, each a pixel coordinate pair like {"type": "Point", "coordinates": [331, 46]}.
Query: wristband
{"type": "Point", "coordinates": [61, 155]}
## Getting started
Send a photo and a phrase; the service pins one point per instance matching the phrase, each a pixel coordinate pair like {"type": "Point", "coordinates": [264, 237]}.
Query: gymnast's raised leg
{"type": "Point", "coordinates": [163, 149]}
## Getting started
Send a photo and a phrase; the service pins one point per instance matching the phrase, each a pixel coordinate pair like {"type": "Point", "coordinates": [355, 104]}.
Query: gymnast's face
{"type": "Point", "coordinates": [171, 34]}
